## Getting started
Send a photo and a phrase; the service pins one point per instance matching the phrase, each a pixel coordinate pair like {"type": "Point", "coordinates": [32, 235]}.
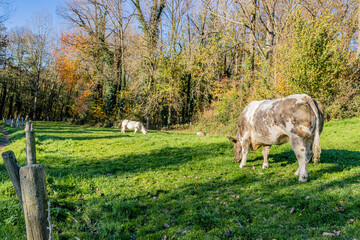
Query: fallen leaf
{"type": "Point", "coordinates": [328, 234]}
{"type": "Point", "coordinates": [351, 221]}
{"type": "Point", "coordinates": [166, 225]}
{"type": "Point", "coordinates": [253, 167]}
{"type": "Point", "coordinates": [292, 210]}
{"type": "Point", "coordinates": [337, 233]}
{"type": "Point", "coordinates": [165, 237]}
{"type": "Point", "coordinates": [307, 197]}
{"type": "Point", "coordinates": [341, 209]}
{"type": "Point", "coordinates": [341, 202]}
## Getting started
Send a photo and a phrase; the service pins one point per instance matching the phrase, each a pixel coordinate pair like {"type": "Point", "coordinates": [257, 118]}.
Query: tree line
{"type": "Point", "coordinates": [170, 62]}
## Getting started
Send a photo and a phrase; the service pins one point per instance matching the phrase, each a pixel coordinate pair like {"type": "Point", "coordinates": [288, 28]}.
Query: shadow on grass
{"type": "Point", "coordinates": [338, 156]}
{"type": "Point", "coordinates": [51, 137]}
{"type": "Point", "coordinates": [167, 157]}
{"type": "Point", "coordinates": [208, 207]}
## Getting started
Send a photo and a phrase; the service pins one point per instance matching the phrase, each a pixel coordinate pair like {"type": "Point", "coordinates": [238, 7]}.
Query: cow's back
{"type": "Point", "coordinates": [272, 122]}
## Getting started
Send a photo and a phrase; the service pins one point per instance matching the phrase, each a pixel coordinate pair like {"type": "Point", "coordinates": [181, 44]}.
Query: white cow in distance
{"type": "Point", "coordinates": [132, 125]}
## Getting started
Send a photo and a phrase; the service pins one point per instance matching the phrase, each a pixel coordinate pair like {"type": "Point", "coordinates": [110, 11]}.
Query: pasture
{"type": "Point", "coordinates": [103, 184]}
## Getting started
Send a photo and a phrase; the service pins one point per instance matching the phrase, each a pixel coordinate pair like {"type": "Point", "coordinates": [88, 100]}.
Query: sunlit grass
{"type": "Point", "coordinates": [106, 185]}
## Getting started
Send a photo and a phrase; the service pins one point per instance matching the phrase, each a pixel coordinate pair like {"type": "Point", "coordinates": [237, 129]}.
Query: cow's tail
{"type": "Point", "coordinates": [316, 143]}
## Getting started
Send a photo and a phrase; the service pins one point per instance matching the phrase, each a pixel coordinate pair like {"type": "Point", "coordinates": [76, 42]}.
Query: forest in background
{"type": "Point", "coordinates": [169, 63]}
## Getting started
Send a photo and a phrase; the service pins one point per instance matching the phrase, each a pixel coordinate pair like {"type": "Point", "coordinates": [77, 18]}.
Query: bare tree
{"type": "Point", "coordinates": [37, 41]}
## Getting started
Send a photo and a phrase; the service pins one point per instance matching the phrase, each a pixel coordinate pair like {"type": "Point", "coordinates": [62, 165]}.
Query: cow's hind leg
{"type": "Point", "coordinates": [123, 129]}
{"type": "Point", "coordinates": [303, 152]}
{"type": "Point", "coordinates": [135, 130]}
{"type": "Point", "coordinates": [265, 153]}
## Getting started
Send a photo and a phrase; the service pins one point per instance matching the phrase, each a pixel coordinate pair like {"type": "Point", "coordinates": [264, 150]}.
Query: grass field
{"type": "Point", "coordinates": [173, 185]}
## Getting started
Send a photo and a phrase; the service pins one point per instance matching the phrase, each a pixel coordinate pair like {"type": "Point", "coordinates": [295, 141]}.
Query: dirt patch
{"type": "Point", "coordinates": [4, 141]}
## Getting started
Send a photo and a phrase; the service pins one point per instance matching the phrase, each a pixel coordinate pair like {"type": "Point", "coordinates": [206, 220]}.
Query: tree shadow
{"type": "Point", "coordinates": [133, 163]}
{"type": "Point", "coordinates": [260, 213]}
{"type": "Point", "coordinates": [52, 137]}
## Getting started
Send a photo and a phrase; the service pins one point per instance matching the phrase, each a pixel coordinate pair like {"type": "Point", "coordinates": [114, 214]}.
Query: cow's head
{"type": "Point", "coordinates": [237, 148]}
{"type": "Point", "coordinates": [143, 129]}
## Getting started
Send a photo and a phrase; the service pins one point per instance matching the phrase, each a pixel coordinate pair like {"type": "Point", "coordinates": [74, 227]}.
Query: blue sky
{"type": "Point", "coordinates": [25, 9]}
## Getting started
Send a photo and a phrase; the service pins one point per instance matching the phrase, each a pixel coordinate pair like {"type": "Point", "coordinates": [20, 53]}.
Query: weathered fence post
{"type": "Point", "coordinates": [10, 163]}
{"type": "Point", "coordinates": [18, 123]}
{"type": "Point", "coordinates": [30, 144]}
{"type": "Point", "coordinates": [35, 202]}
{"type": "Point", "coordinates": [12, 123]}
{"type": "Point", "coordinates": [22, 122]}
{"type": "Point", "coordinates": [30, 187]}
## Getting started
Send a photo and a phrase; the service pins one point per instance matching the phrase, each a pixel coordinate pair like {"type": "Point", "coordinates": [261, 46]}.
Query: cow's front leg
{"type": "Point", "coordinates": [245, 151]}
{"type": "Point", "coordinates": [135, 130]}
{"type": "Point", "coordinates": [265, 153]}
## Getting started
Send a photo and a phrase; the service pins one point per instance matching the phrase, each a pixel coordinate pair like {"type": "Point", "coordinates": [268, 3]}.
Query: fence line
{"type": "Point", "coordinates": [30, 185]}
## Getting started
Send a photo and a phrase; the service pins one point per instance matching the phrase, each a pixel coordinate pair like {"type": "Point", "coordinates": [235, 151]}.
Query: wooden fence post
{"type": "Point", "coordinates": [13, 170]}
{"type": "Point", "coordinates": [35, 202]}
{"type": "Point", "coordinates": [12, 123]}
{"type": "Point", "coordinates": [30, 144]}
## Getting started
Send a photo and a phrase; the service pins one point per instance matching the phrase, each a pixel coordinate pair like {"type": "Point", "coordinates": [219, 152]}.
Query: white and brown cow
{"type": "Point", "coordinates": [132, 125]}
{"type": "Point", "coordinates": [297, 119]}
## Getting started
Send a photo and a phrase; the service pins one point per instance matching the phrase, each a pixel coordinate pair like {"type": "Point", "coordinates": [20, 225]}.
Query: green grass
{"type": "Point", "coordinates": [106, 185]}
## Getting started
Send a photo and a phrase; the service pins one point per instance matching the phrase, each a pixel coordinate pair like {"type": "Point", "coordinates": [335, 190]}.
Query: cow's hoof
{"type": "Point", "coordinates": [265, 166]}
{"type": "Point", "coordinates": [242, 166]}
{"type": "Point", "coordinates": [302, 179]}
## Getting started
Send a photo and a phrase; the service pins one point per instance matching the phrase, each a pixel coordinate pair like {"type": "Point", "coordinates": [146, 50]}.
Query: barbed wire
{"type": "Point", "coordinates": [50, 227]}
{"type": "Point", "coordinates": [17, 160]}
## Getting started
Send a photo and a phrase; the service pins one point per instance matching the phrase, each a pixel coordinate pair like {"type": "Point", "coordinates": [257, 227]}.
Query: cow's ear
{"type": "Point", "coordinates": [234, 140]}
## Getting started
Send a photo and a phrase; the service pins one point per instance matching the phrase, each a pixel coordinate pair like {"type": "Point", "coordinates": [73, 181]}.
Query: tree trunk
{"type": "Point", "coordinates": [252, 36]}
{"type": "Point", "coordinates": [3, 98]}
{"type": "Point", "coordinates": [270, 35]}
{"type": "Point", "coordinates": [358, 28]}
